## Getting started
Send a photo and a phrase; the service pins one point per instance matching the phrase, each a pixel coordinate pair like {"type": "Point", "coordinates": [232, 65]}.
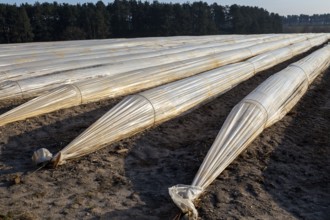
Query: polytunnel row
{"type": "Point", "coordinates": [96, 48]}
{"type": "Point", "coordinates": [134, 81]}
{"type": "Point", "coordinates": [67, 48]}
{"type": "Point", "coordinates": [104, 57]}
{"type": "Point", "coordinates": [191, 82]}
{"type": "Point", "coordinates": [138, 112]}
{"type": "Point", "coordinates": [115, 43]}
{"type": "Point", "coordinates": [32, 69]}
{"type": "Point", "coordinates": [75, 64]}
{"type": "Point", "coordinates": [34, 86]}
{"type": "Point", "coordinates": [121, 43]}
{"type": "Point", "coordinates": [263, 107]}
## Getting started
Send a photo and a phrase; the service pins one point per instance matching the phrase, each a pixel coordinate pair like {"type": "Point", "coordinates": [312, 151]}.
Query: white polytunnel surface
{"type": "Point", "coordinates": [134, 81]}
{"type": "Point", "coordinates": [102, 57]}
{"type": "Point", "coordinates": [31, 87]}
{"type": "Point", "coordinates": [37, 68]}
{"type": "Point", "coordinates": [11, 57]}
{"type": "Point", "coordinates": [264, 106]}
{"type": "Point", "coordinates": [94, 45]}
{"type": "Point", "coordinates": [34, 48]}
{"type": "Point", "coordinates": [138, 112]}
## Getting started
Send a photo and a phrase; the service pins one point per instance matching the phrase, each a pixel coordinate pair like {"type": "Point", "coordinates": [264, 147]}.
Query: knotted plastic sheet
{"type": "Point", "coordinates": [134, 81]}
{"type": "Point", "coordinates": [264, 106]}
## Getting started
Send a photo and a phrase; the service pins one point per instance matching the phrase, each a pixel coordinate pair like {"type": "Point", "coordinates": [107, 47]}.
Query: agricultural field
{"type": "Point", "coordinates": [283, 174]}
{"type": "Point", "coordinates": [306, 28]}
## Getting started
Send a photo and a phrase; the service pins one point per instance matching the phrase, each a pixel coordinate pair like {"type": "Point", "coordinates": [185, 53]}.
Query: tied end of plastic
{"type": "Point", "coordinates": [183, 196]}
{"type": "Point", "coordinates": [57, 160]}
{"type": "Point", "coordinates": [43, 156]}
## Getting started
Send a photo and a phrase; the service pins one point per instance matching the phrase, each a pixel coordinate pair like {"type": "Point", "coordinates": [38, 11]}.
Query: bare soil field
{"type": "Point", "coordinates": [283, 174]}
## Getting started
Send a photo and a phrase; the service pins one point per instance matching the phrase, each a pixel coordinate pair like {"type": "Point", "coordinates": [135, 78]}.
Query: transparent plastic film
{"type": "Point", "coordinates": [27, 52]}
{"type": "Point", "coordinates": [25, 58]}
{"type": "Point", "coordinates": [39, 51]}
{"type": "Point", "coordinates": [37, 68]}
{"type": "Point", "coordinates": [130, 116]}
{"type": "Point", "coordinates": [65, 96]}
{"type": "Point", "coordinates": [134, 81]}
{"type": "Point", "coordinates": [253, 119]}
{"type": "Point", "coordinates": [264, 106]}
{"type": "Point", "coordinates": [183, 196]}
{"type": "Point", "coordinates": [10, 89]}
{"type": "Point", "coordinates": [138, 112]}
{"type": "Point", "coordinates": [35, 86]}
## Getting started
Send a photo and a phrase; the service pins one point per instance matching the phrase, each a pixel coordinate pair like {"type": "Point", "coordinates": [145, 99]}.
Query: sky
{"type": "Point", "coordinates": [282, 7]}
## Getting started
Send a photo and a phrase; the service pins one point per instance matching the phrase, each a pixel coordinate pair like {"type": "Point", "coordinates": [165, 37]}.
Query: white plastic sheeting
{"type": "Point", "coordinates": [40, 55]}
{"type": "Point", "coordinates": [264, 106]}
{"type": "Point", "coordinates": [23, 48]}
{"type": "Point", "coordinates": [123, 84]}
{"type": "Point", "coordinates": [37, 85]}
{"type": "Point", "coordinates": [24, 53]}
{"type": "Point", "coordinates": [31, 69]}
{"type": "Point", "coordinates": [94, 45]}
{"type": "Point", "coordinates": [106, 57]}
{"type": "Point", "coordinates": [141, 111]}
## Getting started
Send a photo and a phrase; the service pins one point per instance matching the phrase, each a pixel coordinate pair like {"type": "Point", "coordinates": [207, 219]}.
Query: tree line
{"type": "Point", "coordinates": [317, 23]}
{"type": "Point", "coordinates": [129, 18]}
{"type": "Point", "coordinates": [316, 19]}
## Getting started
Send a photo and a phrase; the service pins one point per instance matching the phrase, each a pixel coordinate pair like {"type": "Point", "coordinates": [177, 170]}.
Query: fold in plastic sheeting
{"type": "Point", "coordinates": [141, 111]}
{"type": "Point", "coordinates": [124, 84]}
{"type": "Point", "coordinates": [35, 86]}
{"type": "Point", "coordinates": [264, 106]}
{"type": "Point", "coordinates": [106, 57]}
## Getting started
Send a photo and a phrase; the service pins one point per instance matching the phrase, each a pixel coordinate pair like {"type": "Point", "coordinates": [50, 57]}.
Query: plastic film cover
{"type": "Point", "coordinates": [264, 106]}
{"type": "Point", "coordinates": [106, 57]}
{"type": "Point", "coordinates": [35, 86]}
{"type": "Point", "coordinates": [123, 84]}
{"type": "Point", "coordinates": [154, 106]}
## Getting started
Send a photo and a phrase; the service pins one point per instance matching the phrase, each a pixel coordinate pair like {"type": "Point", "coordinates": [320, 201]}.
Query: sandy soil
{"type": "Point", "coordinates": [284, 173]}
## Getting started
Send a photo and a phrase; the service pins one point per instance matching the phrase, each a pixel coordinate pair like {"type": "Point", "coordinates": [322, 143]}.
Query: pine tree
{"type": "Point", "coordinates": [23, 25]}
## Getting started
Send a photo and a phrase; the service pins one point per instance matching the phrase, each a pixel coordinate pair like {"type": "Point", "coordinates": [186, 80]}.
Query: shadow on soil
{"type": "Point", "coordinates": [298, 172]}
{"type": "Point", "coordinates": [45, 131]}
